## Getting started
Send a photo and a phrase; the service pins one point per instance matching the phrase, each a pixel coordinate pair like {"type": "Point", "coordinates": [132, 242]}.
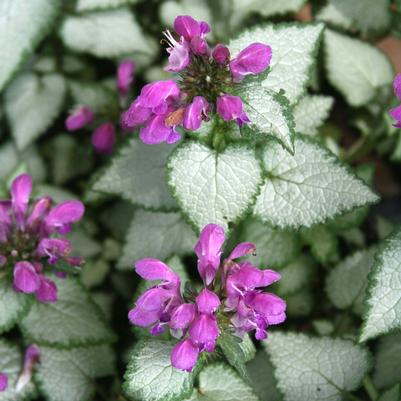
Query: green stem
{"type": "Point", "coordinates": [352, 397]}
{"type": "Point", "coordinates": [370, 388]}
{"type": "Point", "coordinates": [360, 148]}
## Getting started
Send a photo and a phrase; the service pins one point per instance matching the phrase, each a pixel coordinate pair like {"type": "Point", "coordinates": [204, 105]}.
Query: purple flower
{"type": "Point", "coordinates": [197, 111]}
{"type": "Point", "coordinates": [204, 85]}
{"type": "Point", "coordinates": [26, 279]}
{"type": "Point", "coordinates": [21, 189]}
{"type": "Point", "coordinates": [199, 46]}
{"type": "Point", "coordinates": [79, 118]}
{"type": "Point", "coordinates": [197, 321]}
{"type": "Point", "coordinates": [3, 382]}
{"type": "Point", "coordinates": [187, 27]}
{"type": "Point", "coordinates": [230, 108]}
{"type": "Point", "coordinates": [184, 355]}
{"type": "Point", "coordinates": [208, 250]}
{"type": "Point", "coordinates": [178, 53]}
{"type": "Point", "coordinates": [29, 236]}
{"type": "Point", "coordinates": [135, 115]}
{"type": "Point", "coordinates": [125, 76]}
{"type": "Point", "coordinates": [221, 54]}
{"type": "Point", "coordinates": [155, 306]}
{"type": "Point", "coordinates": [54, 249]}
{"type": "Point", "coordinates": [253, 60]}
{"type": "Point", "coordinates": [204, 332]}
{"type": "Point", "coordinates": [32, 356]}
{"type": "Point", "coordinates": [104, 138]}
{"type": "Point", "coordinates": [47, 291]}
{"type": "Point", "coordinates": [207, 302]}
{"type": "Point", "coordinates": [396, 111]}
{"type": "Point", "coordinates": [156, 131]}
{"type": "Point", "coordinates": [182, 316]}
{"type": "Point", "coordinates": [254, 309]}
{"type": "Point", "coordinates": [40, 209]}
{"type": "Point", "coordinates": [157, 95]}
{"type": "Point", "coordinates": [61, 217]}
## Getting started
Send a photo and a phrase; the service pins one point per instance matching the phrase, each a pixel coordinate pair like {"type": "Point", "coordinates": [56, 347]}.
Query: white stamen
{"type": "Point", "coordinates": [170, 39]}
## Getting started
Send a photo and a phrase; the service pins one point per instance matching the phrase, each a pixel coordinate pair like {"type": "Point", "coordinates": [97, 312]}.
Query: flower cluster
{"type": "Point", "coordinates": [396, 111]}
{"type": "Point", "coordinates": [104, 136]}
{"type": "Point", "coordinates": [27, 239]}
{"type": "Point", "coordinates": [32, 356]}
{"type": "Point", "coordinates": [205, 79]}
{"type": "Point", "coordinates": [237, 298]}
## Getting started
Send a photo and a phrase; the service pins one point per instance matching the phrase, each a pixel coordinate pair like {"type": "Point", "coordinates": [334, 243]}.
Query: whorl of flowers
{"type": "Point", "coordinates": [32, 239]}
{"type": "Point", "coordinates": [104, 135]}
{"type": "Point", "coordinates": [205, 80]}
{"type": "Point", "coordinates": [232, 299]}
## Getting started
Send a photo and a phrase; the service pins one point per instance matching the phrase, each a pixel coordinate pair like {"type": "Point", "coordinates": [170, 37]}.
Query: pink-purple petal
{"type": "Point", "coordinates": [182, 316]}
{"type": "Point", "coordinates": [21, 189]}
{"type": "Point", "coordinates": [195, 113]}
{"type": "Point", "coordinates": [221, 54]}
{"type": "Point", "coordinates": [104, 138]}
{"type": "Point", "coordinates": [79, 118]}
{"type": "Point", "coordinates": [207, 302]}
{"type": "Point", "coordinates": [204, 331]}
{"type": "Point", "coordinates": [208, 249]}
{"type": "Point", "coordinates": [125, 76]}
{"type": "Point", "coordinates": [254, 59]}
{"type": "Point", "coordinates": [3, 382]}
{"type": "Point", "coordinates": [230, 107]}
{"type": "Point", "coordinates": [396, 114]}
{"type": "Point", "coordinates": [188, 27]}
{"type": "Point", "coordinates": [47, 291]}
{"type": "Point", "coordinates": [242, 249]}
{"type": "Point", "coordinates": [64, 214]}
{"type": "Point", "coordinates": [26, 278]}
{"type": "Point", "coordinates": [154, 269]}
{"type": "Point", "coordinates": [184, 355]}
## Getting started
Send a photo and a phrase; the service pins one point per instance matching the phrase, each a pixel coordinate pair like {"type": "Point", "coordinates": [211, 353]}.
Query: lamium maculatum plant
{"type": "Point", "coordinates": [200, 200]}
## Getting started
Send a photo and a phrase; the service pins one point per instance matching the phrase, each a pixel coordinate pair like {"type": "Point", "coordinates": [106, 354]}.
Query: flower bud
{"type": "Point", "coordinates": [104, 138]}
{"type": "Point", "coordinates": [79, 118]}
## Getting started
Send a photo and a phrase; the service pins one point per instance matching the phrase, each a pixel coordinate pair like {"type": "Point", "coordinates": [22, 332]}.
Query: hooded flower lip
{"type": "Point", "coordinates": [221, 54]}
{"type": "Point", "coordinates": [79, 118]}
{"type": "Point", "coordinates": [26, 279]}
{"type": "Point", "coordinates": [188, 27]}
{"type": "Point", "coordinates": [21, 189]}
{"type": "Point", "coordinates": [197, 111]}
{"type": "Point", "coordinates": [125, 76]}
{"type": "Point", "coordinates": [253, 60]}
{"type": "Point", "coordinates": [157, 94]}
{"type": "Point", "coordinates": [156, 131]}
{"type": "Point", "coordinates": [184, 355]}
{"type": "Point", "coordinates": [29, 238]}
{"type": "Point", "coordinates": [231, 108]}
{"type": "Point", "coordinates": [208, 249]}
{"type": "Point", "coordinates": [63, 215]}
{"type": "Point", "coordinates": [182, 316]}
{"type": "Point", "coordinates": [207, 302]}
{"type": "Point", "coordinates": [204, 331]}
